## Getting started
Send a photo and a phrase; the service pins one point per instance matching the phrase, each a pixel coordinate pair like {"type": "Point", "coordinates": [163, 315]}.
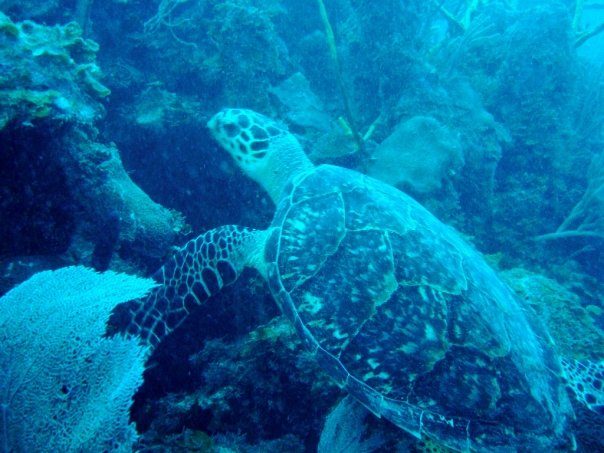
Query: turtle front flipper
{"type": "Point", "coordinates": [200, 269]}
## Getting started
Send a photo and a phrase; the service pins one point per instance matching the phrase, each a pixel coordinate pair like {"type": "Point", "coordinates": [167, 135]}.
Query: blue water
{"type": "Point", "coordinates": [491, 118]}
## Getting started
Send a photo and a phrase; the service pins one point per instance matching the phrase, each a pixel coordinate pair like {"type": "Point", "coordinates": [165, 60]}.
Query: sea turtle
{"type": "Point", "coordinates": [394, 305]}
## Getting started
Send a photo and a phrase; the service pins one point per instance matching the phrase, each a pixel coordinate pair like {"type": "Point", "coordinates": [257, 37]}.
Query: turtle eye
{"type": "Point", "coordinates": [230, 130]}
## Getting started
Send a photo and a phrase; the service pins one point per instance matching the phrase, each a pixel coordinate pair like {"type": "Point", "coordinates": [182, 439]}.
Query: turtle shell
{"type": "Point", "coordinates": [409, 319]}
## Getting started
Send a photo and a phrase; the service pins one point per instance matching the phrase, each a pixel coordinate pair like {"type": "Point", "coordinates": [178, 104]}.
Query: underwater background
{"type": "Point", "coordinates": [490, 113]}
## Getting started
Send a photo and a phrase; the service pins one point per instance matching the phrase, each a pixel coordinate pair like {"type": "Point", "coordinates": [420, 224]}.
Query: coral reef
{"type": "Point", "coordinates": [53, 73]}
{"type": "Point", "coordinates": [85, 173]}
{"type": "Point", "coordinates": [156, 108]}
{"type": "Point", "coordinates": [271, 370]}
{"type": "Point", "coordinates": [103, 189]}
{"type": "Point", "coordinates": [562, 312]}
{"type": "Point", "coordinates": [50, 102]}
{"type": "Point", "coordinates": [522, 93]}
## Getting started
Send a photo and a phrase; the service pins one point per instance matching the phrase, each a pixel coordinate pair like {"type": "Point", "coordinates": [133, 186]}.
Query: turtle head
{"type": "Point", "coordinates": [265, 150]}
{"type": "Point", "coordinates": [246, 135]}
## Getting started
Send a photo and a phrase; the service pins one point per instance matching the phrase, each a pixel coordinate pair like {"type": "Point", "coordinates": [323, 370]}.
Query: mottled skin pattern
{"type": "Point", "coordinates": [195, 272]}
{"type": "Point", "coordinates": [394, 306]}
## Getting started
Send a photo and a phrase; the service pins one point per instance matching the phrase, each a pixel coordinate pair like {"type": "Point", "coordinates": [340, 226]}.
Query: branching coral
{"type": "Point", "coordinates": [462, 21]}
{"type": "Point", "coordinates": [164, 17]}
{"type": "Point", "coordinates": [583, 35]}
{"type": "Point", "coordinates": [587, 217]}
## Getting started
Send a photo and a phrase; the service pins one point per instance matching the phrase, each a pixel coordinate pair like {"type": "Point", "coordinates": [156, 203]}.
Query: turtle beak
{"type": "Point", "coordinates": [213, 122]}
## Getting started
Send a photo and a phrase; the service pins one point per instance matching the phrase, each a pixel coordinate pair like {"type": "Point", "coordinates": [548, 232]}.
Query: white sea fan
{"type": "Point", "coordinates": [63, 386]}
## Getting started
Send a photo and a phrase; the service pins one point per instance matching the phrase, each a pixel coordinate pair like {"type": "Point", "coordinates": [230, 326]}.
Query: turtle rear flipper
{"type": "Point", "coordinates": [197, 271]}
{"type": "Point", "coordinates": [586, 380]}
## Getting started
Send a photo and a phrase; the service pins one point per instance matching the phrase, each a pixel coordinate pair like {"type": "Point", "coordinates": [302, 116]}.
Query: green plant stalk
{"type": "Point", "coordinates": [333, 52]}
{"type": "Point", "coordinates": [579, 5]}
